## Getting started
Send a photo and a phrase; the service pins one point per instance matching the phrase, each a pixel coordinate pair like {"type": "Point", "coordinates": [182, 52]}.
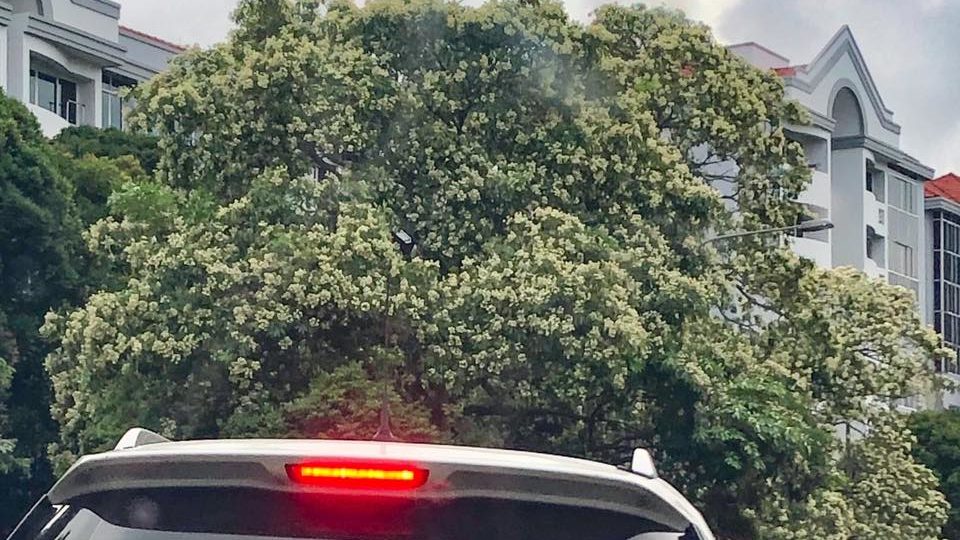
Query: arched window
{"type": "Point", "coordinates": [847, 113]}
{"type": "Point", "coordinates": [40, 7]}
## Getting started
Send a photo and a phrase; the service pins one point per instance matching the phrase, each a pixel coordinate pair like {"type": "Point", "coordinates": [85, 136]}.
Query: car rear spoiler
{"type": "Point", "coordinates": [145, 469]}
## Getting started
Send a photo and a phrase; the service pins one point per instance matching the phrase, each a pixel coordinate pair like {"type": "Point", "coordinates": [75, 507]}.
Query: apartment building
{"type": "Point", "coordinates": [891, 221]}
{"type": "Point", "coordinates": [68, 59]}
{"type": "Point", "coordinates": [862, 180]}
{"type": "Point", "coordinates": [942, 216]}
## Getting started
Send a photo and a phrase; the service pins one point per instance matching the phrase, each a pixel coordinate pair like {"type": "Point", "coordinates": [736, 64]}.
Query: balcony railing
{"type": "Point", "coordinates": [70, 110]}
{"type": "Point", "coordinates": [873, 213]}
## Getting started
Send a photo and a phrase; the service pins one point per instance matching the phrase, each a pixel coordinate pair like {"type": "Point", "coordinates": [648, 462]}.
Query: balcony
{"type": "Point", "coordinates": [872, 269]}
{"type": "Point", "coordinates": [874, 213]}
{"type": "Point", "coordinates": [818, 192]}
{"type": "Point", "coordinates": [815, 250]}
{"type": "Point", "coordinates": [51, 123]}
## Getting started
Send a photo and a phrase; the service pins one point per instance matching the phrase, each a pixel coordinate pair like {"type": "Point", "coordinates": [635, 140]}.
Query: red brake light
{"type": "Point", "coordinates": [358, 475]}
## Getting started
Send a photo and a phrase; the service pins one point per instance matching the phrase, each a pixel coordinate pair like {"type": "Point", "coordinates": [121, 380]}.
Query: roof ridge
{"type": "Point", "coordinates": [151, 37]}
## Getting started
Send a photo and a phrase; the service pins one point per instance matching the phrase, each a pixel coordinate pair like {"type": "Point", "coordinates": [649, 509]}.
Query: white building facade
{"type": "Point", "coordinates": [861, 179]}
{"type": "Point", "coordinates": [68, 59]}
{"type": "Point", "coordinates": [870, 189]}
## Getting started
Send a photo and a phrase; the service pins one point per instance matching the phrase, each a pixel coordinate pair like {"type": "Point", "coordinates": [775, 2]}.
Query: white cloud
{"type": "Point", "coordinates": [188, 22]}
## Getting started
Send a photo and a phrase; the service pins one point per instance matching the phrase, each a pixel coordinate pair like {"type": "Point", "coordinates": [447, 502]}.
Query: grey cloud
{"type": "Point", "coordinates": [910, 48]}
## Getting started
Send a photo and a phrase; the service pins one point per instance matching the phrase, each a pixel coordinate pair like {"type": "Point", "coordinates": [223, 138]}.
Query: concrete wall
{"type": "Point", "coordinates": [3, 58]}
{"type": "Point", "coordinates": [143, 53]}
{"type": "Point", "coordinates": [18, 60]}
{"type": "Point", "coordinates": [50, 122]}
{"type": "Point", "coordinates": [85, 18]}
{"type": "Point", "coordinates": [846, 196]}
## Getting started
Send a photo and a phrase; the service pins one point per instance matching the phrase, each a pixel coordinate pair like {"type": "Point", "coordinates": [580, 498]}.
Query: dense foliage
{"type": "Point", "coordinates": [560, 180]}
{"type": "Point", "coordinates": [47, 198]}
{"type": "Point", "coordinates": [938, 447]}
{"type": "Point", "coordinates": [80, 141]}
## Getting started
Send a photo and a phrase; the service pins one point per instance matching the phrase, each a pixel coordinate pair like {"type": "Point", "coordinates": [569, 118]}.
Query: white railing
{"type": "Point", "coordinates": [72, 109]}
{"type": "Point", "coordinates": [872, 269]}
{"type": "Point", "coordinates": [873, 214]}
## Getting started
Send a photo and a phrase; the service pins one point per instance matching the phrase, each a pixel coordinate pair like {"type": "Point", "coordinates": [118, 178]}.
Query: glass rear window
{"type": "Point", "coordinates": [242, 514]}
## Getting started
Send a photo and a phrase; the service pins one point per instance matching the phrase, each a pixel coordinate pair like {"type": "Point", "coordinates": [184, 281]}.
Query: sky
{"type": "Point", "coordinates": [912, 48]}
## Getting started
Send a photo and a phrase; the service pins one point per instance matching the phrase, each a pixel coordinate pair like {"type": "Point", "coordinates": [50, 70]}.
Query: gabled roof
{"type": "Point", "coordinates": [806, 78]}
{"type": "Point", "coordinates": [946, 187]}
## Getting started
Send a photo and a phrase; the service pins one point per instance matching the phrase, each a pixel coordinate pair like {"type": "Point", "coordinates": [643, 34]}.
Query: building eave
{"type": "Point", "coordinates": [96, 49]}
{"type": "Point", "coordinates": [900, 159]}
{"type": "Point", "coordinates": [821, 120]}
{"type": "Point", "coordinates": [135, 71]}
{"type": "Point", "coordinates": [941, 203]}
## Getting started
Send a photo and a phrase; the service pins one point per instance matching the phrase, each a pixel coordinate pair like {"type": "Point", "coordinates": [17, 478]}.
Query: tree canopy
{"type": "Point", "coordinates": [560, 180]}
{"type": "Point", "coordinates": [938, 447]}
{"type": "Point", "coordinates": [47, 198]}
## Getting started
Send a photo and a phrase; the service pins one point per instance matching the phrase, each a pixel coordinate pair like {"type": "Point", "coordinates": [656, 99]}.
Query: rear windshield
{"type": "Point", "coordinates": [241, 514]}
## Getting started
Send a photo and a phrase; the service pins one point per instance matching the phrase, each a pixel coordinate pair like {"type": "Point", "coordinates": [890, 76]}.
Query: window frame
{"type": "Point", "coordinates": [112, 84]}
{"type": "Point", "coordinates": [903, 196]}
{"type": "Point", "coordinates": [60, 108]}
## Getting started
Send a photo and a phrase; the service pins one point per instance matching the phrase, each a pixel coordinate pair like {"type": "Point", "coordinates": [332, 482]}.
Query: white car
{"type": "Point", "coordinates": [149, 488]}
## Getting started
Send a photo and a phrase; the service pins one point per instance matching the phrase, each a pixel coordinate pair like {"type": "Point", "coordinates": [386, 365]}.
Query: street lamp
{"type": "Point", "coordinates": [813, 225]}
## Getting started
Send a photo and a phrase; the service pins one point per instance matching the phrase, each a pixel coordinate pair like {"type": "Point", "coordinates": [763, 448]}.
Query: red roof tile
{"type": "Point", "coordinates": [144, 35]}
{"type": "Point", "coordinates": [947, 186]}
{"type": "Point", "coordinates": [788, 71]}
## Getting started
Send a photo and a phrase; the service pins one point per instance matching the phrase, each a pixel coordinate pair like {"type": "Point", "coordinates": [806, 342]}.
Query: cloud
{"type": "Point", "coordinates": [188, 22]}
{"type": "Point", "coordinates": [910, 47]}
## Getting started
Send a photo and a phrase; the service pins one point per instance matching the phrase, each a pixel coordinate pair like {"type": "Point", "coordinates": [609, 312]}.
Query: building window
{"type": "Point", "coordinates": [901, 260]}
{"type": "Point", "coordinates": [874, 247]}
{"type": "Point", "coordinates": [875, 182]}
{"type": "Point", "coordinates": [57, 95]}
{"type": "Point", "coordinates": [903, 195]}
{"type": "Point", "coordinates": [946, 284]}
{"type": "Point", "coordinates": [112, 110]}
{"type": "Point", "coordinates": [113, 105]}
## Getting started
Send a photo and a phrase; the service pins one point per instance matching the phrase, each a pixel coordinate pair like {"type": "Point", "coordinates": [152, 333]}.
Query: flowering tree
{"type": "Point", "coordinates": [560, 180]}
